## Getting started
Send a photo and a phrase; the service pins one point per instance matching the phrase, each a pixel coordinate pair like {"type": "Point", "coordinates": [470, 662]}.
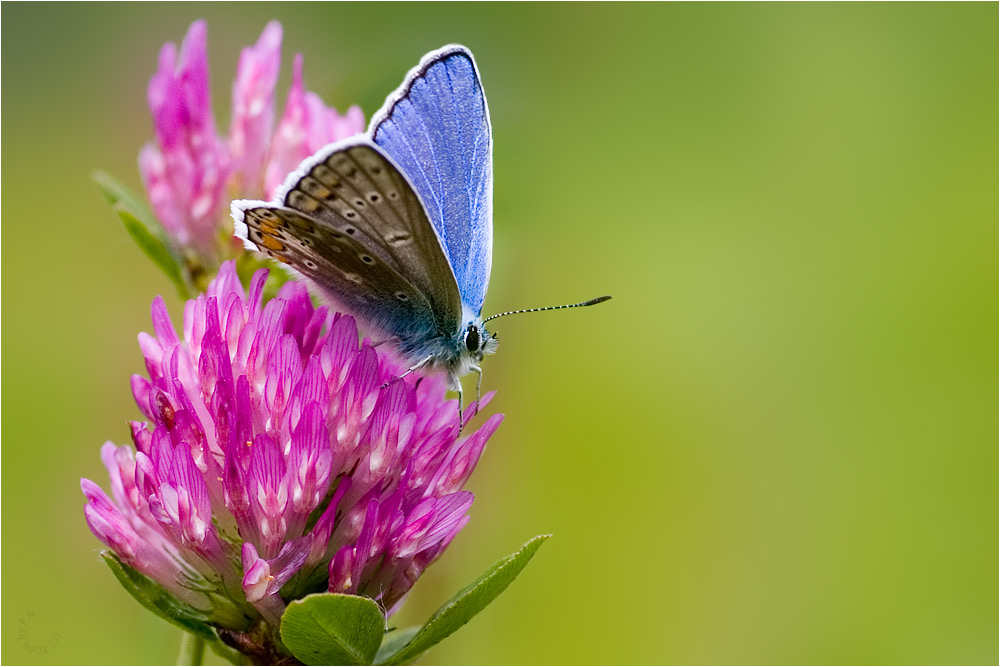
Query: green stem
{"type": "Point", "coordinates": [192, 650]}
{"type": "Point", "coordinates": [228, 654]}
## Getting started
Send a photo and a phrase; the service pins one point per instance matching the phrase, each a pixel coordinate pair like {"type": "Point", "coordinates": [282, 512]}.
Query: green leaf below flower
{"type": "Point", "coordinates": [333, 629]}
{"type": "Point", "coordinates": [394, 641]}
{"type": "Point", "coordinates": [465, 604]}
{"type": "Point", "coordinates": [155, 598]}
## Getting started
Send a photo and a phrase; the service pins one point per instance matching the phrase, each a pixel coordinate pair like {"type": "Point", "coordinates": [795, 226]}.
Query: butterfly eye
{"type": "Point", "coordinates": [472, 338]}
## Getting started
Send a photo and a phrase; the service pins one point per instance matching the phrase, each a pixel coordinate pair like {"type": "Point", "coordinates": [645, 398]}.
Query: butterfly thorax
{"type": "Point", "coordinates": [456, 354]}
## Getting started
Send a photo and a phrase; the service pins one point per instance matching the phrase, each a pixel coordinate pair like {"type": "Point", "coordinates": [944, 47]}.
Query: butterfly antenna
{"type": "Point", "coordinates": [600, 299]}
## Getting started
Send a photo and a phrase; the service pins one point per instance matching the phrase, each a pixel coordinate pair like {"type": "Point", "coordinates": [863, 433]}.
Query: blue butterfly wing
{"type": "Point", "coordinates": [436, 127]}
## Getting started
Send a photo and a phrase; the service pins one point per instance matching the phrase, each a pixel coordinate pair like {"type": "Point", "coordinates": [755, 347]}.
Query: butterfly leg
{"type": "Point", "coordinates": [479, 386]}
{"type": "Point", "coordinates": [416, 366]}
{"type": "Point", "coordinates": [455, 385]}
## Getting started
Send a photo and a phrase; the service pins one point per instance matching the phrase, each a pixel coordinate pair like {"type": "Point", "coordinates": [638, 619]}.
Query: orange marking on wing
{"type": "Point", "coordinates": [268, 228]}
{"type": "Point", "coordinates": [272, 243]}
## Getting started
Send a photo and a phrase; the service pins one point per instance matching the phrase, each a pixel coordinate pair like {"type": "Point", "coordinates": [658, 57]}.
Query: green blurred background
{"type": "Point", "coordinates": [777, 444]}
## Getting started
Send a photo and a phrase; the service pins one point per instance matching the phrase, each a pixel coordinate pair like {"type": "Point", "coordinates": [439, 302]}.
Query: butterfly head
{"type": "Point", "coordinates": [479, 342]}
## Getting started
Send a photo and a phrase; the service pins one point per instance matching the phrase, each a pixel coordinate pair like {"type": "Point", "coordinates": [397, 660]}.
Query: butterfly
{"type": "Point", "coordinates": [396, 226]}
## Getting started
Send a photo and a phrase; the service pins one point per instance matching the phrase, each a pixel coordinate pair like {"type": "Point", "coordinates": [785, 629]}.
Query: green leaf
{"type": "Point", "coordinates": [155, 598]}
{"type": "Point", "coordinates": [467, 603]}
{"type": "Point", "coordinates": [394, 641]}
{"type": "Point", "coordinates": [154, 249]}
{"type": "Point", "coordinates": [144, 228]}
{"type": "Point", "coordinates": [116, 193]}
{"type": "Point", "coordinates": [333, 629]}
